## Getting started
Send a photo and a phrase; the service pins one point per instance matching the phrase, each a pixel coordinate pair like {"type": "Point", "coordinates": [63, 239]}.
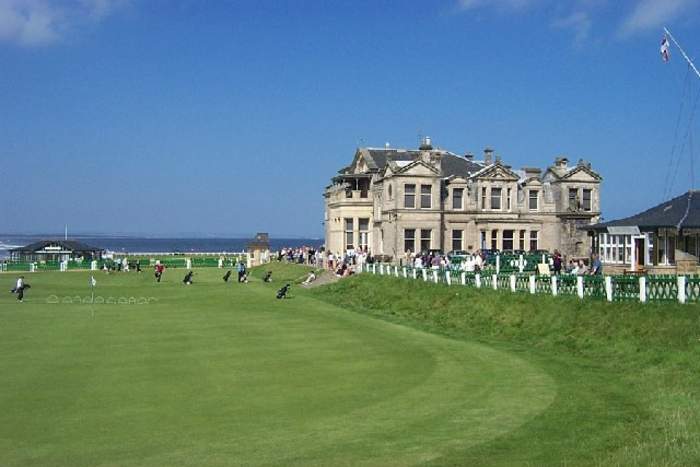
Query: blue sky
{"type": "Point", "coordinates": [170, 117]}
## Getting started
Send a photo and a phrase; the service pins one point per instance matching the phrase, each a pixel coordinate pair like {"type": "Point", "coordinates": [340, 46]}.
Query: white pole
{"type": "Point", "coordinates": [681, 289]}
{"type": "Point", "coordinates": [555, 290]}
{"type": "Point", "coordinates": [579, 286]}
{"type": "Point", "coordinates": [608, 288]}
{"type": "Point", "coordinates": [512, 282]}
{"type": "Point", "coordinates": [687, 59]}
{"type": "Point", "coordinates": [642, 289]}
{"type": "Point", "coordinates": [533, 284]}
{"type": "Point", "coordinates": [494, 280]}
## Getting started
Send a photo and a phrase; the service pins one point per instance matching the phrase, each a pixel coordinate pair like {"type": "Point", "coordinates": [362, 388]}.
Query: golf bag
{"type": "Point", "coordinates": [282, 293]}
{"type": "Point", "coordinates": [227, 276]}
{"type": "Point", "coordinates": [268, 277]}
{"type": "Point", "coordinates": [188, 278]}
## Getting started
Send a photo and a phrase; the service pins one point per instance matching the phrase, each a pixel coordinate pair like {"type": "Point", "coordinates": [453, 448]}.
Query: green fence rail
{"type": "Point", "coordinates": [652, 288]}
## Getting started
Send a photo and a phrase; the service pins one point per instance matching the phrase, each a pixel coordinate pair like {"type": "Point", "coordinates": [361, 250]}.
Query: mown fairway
{"type": "Point", "coordinates": [225, 374]}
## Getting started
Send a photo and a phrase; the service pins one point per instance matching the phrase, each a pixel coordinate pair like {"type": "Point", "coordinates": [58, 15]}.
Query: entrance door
{"type": "Point", "coordinates": [639, 252]}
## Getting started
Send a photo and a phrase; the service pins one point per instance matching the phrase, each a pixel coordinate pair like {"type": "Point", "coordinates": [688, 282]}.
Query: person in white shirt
{"type": "Point", "coordinates": [19, 288]}
{"type": "Point", "coordinates": [478, 261]}
{"type": "Point", "coordinates": [419, 263]}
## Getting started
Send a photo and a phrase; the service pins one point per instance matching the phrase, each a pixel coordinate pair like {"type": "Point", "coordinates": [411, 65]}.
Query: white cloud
{"type": "Point", "coordinates": [41, 22]}
{"type": "Point", "coordinates": [652, 14]}
{"type": "Point", "coordinates": [579, 23]}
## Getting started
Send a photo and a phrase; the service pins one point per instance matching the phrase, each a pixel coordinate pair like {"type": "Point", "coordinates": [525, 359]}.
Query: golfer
{"type": "Point", "coordinates": [19, 288]}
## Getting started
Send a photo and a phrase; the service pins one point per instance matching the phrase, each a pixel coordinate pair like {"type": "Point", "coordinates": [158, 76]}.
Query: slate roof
{"type": "Point", "coordinates": [71, 245]}
{"type": "Point", "coordinates": [451, 163]}
{"type": "Point", "coordinates": [680, 212]}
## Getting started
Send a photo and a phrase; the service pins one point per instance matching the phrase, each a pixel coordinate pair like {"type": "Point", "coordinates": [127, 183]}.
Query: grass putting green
{"type": "Point", "coordinates": [225, 374]}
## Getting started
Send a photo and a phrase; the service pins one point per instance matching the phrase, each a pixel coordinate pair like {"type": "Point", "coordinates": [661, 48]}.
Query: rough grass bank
{"type": "Point", "coordinates": [628, 384]}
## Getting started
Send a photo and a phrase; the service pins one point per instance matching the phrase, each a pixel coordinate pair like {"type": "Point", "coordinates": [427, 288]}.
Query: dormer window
{"type": "Point", "coordinates": [496, 194]}
{"type": "Point", "coordinates": [457, 196]}
{"type": "Point", "coordinates": [573, 199]}
{"type": "Point", "coordinates": [533, 200]}
{"type": "Point", "coordinates": [587, 204]}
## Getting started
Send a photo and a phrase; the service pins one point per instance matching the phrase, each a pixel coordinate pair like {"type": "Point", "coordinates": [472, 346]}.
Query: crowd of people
{"type": "Point", "coordinates": [301, 255]}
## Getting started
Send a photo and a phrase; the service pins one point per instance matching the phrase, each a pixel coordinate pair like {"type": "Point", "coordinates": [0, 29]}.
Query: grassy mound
{"type": "Point", "coordinates": [627, 374]}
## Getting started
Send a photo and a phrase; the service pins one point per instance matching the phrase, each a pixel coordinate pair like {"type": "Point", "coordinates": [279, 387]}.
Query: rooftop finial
{"type": "Point", "coordinates": [426, 144]}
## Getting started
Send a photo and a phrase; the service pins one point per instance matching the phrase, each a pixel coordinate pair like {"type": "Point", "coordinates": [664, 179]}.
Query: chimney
{"type": "Point", "coordinates": [488, 154]}
{"type": "Point", "coordinates": [531, 172]}
{"type": "Point", "coordinates": [426, 144]}
{"type": "Point", "coordinates": [561, 162]}
{"type": "Point", "coordinates": [469, 156]}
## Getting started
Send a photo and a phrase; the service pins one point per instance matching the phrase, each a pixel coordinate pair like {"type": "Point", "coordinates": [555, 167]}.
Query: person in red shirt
{"type": "Point", "coordinates": [159, 271]}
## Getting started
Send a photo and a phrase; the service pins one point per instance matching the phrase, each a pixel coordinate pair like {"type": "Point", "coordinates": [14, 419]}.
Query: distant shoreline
{"type": "Point", "coordinates": [164, 245]}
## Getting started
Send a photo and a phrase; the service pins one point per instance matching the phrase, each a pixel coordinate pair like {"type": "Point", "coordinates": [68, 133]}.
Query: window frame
{"type": "Point", "coordinates": [349, 231]}
{"type": "Point", "coordinates": [505, 239]}
{"type": "Point", "coordinates": [428, 239]}
{"type": "Point", "coordinates": [534, 237]}
{"type": "Point", "coordinates": [499, 198]}
{"type": "Point", "coordinates": [588, 208]}
{"type": "Point", "coordinates": [428, 196]}
{"type": "Point", "coordinates": [406, 195]}
{"type": "Point", "coordinates": [536, 198]}
{"type": "Point", "coordinates": [460, 238]}
{"type": "Point", "coordinates": [411, 239]}
{"type": "Point", "coordinates": [461, 198]}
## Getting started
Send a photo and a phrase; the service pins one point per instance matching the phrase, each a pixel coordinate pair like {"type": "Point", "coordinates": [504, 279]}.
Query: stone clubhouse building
{"type": "Point", "coordinates": [389, 201]}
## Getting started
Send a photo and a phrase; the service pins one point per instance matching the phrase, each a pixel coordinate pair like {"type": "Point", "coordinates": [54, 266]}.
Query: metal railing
{"type": "Point", "coordinates": [651, 288]}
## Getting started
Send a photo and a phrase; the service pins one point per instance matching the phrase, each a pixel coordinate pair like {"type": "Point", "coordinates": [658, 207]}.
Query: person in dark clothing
{"type": "Point", "coordinates": [188, 278]}
{"type": "Point", "coordinates": [556, 262]}
{"type": "Point", "coordinates": [268, 277]}
{"type": "Point", "coordinates": [138, 265]}
{"type": "Point", "coordinates": [227, 276]}
{"type": "Point", "coordinates": [282, 293]}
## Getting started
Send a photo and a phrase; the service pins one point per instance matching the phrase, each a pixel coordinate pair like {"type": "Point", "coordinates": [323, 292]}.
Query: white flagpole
{"type": "Point", "coordinates": [92, 289]}
{"type": "Point", "coordinates": [690, 62]}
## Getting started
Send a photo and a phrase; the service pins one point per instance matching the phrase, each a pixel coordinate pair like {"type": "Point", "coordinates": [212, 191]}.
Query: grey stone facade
{"type": "Point", "coordinates": [391, 200]}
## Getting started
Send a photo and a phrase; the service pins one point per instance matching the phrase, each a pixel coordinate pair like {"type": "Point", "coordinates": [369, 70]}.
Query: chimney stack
{"type": "Point", "coordinates": [426, 144]}
{"type": "Point", "coordinates": [488, 154]}
{"type": "Point", "coordinates": [561, 162]}
{"type": "Point", "coordinates": [469, 156]}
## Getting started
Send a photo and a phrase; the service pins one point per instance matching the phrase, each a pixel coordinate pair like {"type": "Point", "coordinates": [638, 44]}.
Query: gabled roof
{"type": "Point", "coordinates": [562, 173]}
{"type": "Point", "coordinates": [497, 167]}
{"type": "Point", "coordinates": [69, 245]}
{"type": "Point", "coordinates": [377, 160]}
{"type": "Point", "coordinates": [405, 166]}
{"type": "Point", "coordinates": [581, 168]}
{"type": "Point", "coordinates": [680, 212]}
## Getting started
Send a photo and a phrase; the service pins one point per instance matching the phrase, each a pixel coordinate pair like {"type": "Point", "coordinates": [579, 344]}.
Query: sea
{"type": "Point", "coordinates": [123, 244]}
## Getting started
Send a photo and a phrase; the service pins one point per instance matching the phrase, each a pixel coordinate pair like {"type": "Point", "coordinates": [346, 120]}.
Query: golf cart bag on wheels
{"type": "Point", "coordinates": [282, 293]}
